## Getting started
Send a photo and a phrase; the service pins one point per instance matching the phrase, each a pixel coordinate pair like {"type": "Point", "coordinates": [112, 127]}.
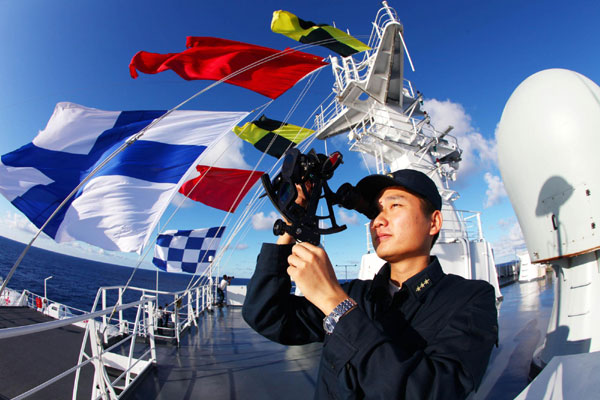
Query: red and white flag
{"type": "Point", "coordinates": [266, 71]}
{"type": "Point", "coordinates": [222, 188]}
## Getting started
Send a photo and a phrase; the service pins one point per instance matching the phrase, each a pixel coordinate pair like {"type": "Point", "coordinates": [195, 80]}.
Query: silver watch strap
{"type": "Point", "coordinates": [344, 307]}
{"type": "Point", "coordinates": [330, 321]}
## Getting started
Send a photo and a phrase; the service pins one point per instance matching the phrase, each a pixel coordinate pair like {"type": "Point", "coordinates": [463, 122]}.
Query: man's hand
{"type": "Point", "coordinates": [311, 269]}
{"type": "Point", "coordinates": [302, 201]}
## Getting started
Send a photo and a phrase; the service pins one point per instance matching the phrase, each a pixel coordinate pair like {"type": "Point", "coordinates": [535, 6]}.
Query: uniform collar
{"type": "Point", "coordinates": [418, 285]}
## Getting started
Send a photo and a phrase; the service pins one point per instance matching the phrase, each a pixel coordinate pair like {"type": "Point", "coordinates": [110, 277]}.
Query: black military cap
{"type": "Point", "coordinates": [414, 181]}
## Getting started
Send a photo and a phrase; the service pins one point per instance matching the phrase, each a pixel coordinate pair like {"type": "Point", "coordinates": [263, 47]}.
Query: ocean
{"type": "Point", "coordinates": [75, 281]}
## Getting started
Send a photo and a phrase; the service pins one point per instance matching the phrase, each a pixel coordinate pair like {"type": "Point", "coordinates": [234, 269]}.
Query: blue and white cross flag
{"type": "Point", "coordinates": [187, 251]}
{"type": "Point", "coordinates": [119, 207]}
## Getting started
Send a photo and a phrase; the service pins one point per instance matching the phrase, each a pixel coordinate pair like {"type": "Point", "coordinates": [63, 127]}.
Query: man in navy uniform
{"type": "Point", "coordinates": [412, 332]}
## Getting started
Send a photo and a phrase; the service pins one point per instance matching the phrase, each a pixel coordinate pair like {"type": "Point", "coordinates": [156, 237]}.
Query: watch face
{"type": "Point", "coordinates": [329, 324]}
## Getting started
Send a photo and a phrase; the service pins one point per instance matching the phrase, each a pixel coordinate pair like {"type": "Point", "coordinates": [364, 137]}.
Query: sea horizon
{"type": "Point", "coordinates": [75, 280]}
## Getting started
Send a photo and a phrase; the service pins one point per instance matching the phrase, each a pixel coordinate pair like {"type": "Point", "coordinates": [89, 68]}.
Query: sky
{"type": "Point", "coordinates": [469, 56]}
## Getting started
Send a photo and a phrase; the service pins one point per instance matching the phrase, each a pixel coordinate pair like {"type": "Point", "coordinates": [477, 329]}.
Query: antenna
{"type": "Point", "coordinates": [447, 131]}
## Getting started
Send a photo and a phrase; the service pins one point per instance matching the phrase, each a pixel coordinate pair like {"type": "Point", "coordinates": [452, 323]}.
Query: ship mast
{"type": "Point", "coordinates": [382, 115]}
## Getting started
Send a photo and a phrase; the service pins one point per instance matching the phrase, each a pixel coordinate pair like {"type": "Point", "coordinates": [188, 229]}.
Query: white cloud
{"type": "Point", "coordinates": [506, 247]}
{"type": "Point", "coordinates": [446, 113]}
{"type": "Point", "coordinates": [505, 223]}
{"type": "Point", "coordinates": [18, 227]}
{"type": "Point", "coordinates": [368, 163]}
{"type": "Point", "coordinates": [495, 191]}
{"type": "Point", "coordinates": [477, 151]}
{"type": "Point", "coordinates": [260, 222]}
{"type": "Point", "coordinates": [182, 201]}
{"type": "Point", "coordinates": [227, 153]}
{"type": "Point", "coordinates": [337, 141]}
{"type": "Point", "coordinates": [87, 248]}
{"type": "Point", "coordinates": [14, 221]}
{"type": "Point", "coordinates": [238, 246]}
{"type": "Point", "coordinates": [350, 218]}
{"type": "Point", "coordinates": [515, 234]}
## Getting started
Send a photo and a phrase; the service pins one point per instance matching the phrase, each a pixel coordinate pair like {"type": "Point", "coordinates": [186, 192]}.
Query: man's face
{"type": "Point", "coordinates": [401, 229]}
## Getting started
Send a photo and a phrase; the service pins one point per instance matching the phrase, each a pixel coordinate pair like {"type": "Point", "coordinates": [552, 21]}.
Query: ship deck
{"type": "Point", "coordinates": [27, 361]}
{"type": "Point", "coordinates": [523, 321]}
{"type": "Point", "coordinates": [223, 358]}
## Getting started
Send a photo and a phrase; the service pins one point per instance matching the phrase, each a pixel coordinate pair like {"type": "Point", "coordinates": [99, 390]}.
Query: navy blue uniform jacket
{"type": "Point", "coordinates": [431, 340]}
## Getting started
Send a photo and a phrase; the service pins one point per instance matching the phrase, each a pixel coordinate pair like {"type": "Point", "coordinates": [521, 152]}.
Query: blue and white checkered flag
{"type": "Point", "coordinates": [186, 251]}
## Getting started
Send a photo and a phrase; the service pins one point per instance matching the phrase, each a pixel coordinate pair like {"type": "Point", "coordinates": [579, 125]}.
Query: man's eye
{"type": "Point", "coordinates": [394, 205]}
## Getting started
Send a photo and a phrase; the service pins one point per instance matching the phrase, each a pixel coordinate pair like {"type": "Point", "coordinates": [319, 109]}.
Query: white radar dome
{"type": "Point", "coordinates": [548, 143]}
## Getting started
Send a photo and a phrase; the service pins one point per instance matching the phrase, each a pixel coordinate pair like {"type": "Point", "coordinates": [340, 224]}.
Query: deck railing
{"type": "Point", "coordinates": [181, 310]}
{"type": "Point", "coordinates": [110, 321]}
{"type": "Point", "coordinates": [100, 358]}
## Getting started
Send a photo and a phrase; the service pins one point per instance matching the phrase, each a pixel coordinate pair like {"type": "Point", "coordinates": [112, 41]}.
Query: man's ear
{"type": "Point", "coordinates": [436, 222]}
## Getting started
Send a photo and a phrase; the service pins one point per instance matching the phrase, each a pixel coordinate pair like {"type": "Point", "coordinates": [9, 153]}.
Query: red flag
{"type": "Point", "coordinates": [214, 59]}
{"type": "Point", "coordinates": [221, 188]}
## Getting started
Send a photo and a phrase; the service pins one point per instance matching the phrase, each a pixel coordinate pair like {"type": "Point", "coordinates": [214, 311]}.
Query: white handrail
{"type": "Point", "coordinates": [189, 317]}
{"type": "Point", "coordinates": [104, 385]}
{"type": "Point", "coordinates": [183, 317]}
{"type": "Point", "coordinates": [45, 326]}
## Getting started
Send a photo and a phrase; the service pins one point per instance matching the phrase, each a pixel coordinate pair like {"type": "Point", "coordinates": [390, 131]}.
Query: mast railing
{"type": "Point", "coordinates": [327, 113]}
{"type": "Point", "coordinates": [357, 69]}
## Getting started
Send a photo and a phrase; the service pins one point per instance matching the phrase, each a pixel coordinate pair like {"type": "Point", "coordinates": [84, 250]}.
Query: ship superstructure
{"type": "Point", "coordinates": [382, 115]}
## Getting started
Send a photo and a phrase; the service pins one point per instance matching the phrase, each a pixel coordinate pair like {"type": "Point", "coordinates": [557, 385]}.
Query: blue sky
{"type": "Point", "coordinates": [469, 57]}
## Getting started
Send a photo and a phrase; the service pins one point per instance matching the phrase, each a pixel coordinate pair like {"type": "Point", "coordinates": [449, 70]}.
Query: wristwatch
{"type": "Point", "coordinates": [332, 319]}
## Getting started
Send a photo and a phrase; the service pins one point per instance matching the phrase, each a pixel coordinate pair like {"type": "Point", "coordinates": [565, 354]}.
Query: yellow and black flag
{"type": "Point", "coordinates": [308, 32]}
{"type": "Point", "coordinates": [270, 136]}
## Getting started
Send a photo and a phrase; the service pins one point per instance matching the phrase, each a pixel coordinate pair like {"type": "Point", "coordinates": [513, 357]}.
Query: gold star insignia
{"type": "Point", "coordinates": [423, 284]}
